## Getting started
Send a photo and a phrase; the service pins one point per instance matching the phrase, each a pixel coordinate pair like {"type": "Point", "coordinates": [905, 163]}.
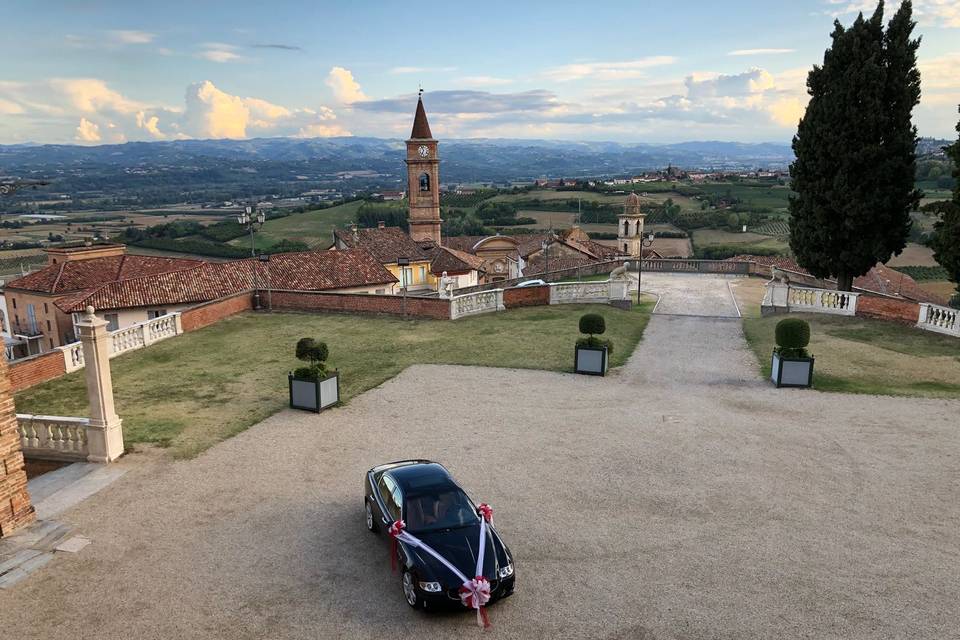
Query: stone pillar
{"type": "Point", "coordinates": [15, 508]}
{"type": "Point", "coordinates": [104, 435]}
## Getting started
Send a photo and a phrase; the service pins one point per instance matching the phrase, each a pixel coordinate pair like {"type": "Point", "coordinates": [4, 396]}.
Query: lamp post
{"type": "Point", "coordinates": [265, 258]}
{"type": "Point", "coordinates": [402, 263]}
{"type": "Point", "coordinates": [252, 223]}
{"type": "Point", "coordinates": [544, 246]}
{"type": "Point", "coordinates": [644, 242]}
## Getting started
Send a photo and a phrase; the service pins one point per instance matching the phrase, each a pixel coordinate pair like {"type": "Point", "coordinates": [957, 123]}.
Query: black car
{"type": "Point", "coordinates": [438, 512]}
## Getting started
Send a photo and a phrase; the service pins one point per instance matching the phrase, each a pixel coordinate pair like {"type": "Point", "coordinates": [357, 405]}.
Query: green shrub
{"type": "Point", "coordinates": [314, 352]}
{"type": "Point", "coordinates": [592, 324]}
{"type": "Point", "coordinates": [792, 336]}
{"type": "Point", "coordinates": [955, 301]}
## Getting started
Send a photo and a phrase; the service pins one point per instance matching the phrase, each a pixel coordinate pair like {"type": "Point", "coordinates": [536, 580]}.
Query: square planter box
{"type": "Point", "coordinates": [314, 395]}
{"type": "Point", "coordinates": [791, 372]}
{"type": "Point", "coordinates": [591, 361]}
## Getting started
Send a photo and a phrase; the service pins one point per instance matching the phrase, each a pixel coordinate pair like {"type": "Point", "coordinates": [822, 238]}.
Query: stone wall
{"type": "Point", "coordinates": [526, 297]}
{"type": "Point", "coordinates": [208, 313]}
{"type": "Point", "coordinates": [902, 311]}
{"type": "Point", "coordinates": [15, 508]}
{"type": "Point", "coordinates": [36, 369]}
{"type": "Point", "coordinates": [312, 301]}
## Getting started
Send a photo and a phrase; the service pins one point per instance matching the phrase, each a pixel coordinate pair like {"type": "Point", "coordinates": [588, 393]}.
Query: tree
{"type": "Point", "coordinates": [946, 239]}
{"type": "Point", "coordinates": [855, 150]}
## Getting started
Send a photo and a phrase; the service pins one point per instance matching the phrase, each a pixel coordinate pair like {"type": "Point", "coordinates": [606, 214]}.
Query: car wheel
{"type": "Point", "coordinates": [371, 522]}
{"type": "Point", "coordinates": [409, 586]}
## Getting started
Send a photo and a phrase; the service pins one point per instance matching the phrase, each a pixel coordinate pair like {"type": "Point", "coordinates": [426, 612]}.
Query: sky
{"type": "Point", "coordinates": [105, 71]}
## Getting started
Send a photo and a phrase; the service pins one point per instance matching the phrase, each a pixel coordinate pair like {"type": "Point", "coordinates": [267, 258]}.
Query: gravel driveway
{"type": "Point", "coordinates": [680, 497]}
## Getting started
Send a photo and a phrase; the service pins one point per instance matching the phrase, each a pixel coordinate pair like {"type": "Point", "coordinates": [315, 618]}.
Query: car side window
{"type": "Point", "coordinates": [389, 493]}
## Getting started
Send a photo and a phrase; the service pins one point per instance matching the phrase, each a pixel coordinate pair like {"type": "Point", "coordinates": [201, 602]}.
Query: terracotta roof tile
{"type": "Point", "coordinates": [305, 271]}
{"type": "Point", "coordinates": [78, 275]}
{"type": "Point", "coordinates": [421, 128]}
{"type": "Point", "coordinates": [385, 244]}
{"type": "Point", "coordinates": [454, 261]}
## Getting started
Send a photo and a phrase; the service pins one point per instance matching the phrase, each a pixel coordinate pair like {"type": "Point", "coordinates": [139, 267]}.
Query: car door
{"type": "Point", "coordinates": [387, 505]}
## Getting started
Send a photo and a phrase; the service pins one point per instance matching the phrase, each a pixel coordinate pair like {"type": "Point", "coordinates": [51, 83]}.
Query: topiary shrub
{"type": "Point", "coordinates": [793, 336]}
{"type": "Point", "coordinates": [955, 301]}
{"type": "Point", "coordinates": [314, 352]}
{"type": "Point", "coordinates": [593, 325]}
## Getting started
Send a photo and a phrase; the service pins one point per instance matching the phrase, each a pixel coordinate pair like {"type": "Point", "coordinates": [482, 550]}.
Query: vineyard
{"type": "Point", "coordinates": [778, 229]}
{"type": "Point", "coordinates": [925, 273]}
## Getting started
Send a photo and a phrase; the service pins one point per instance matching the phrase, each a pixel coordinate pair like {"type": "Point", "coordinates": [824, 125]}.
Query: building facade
{"type": "Point", "coordinates": [630, 227]}
{"type": "Point", "coordinates": [423, 180]}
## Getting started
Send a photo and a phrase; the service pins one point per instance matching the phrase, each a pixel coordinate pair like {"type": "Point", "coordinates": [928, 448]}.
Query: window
{"type": "Point", "coordinates": [423, 274]}
{"type": "Point", "coordinates": [152, 314]}
{"type": "Point", "coordinates": [113, 321]}
{"type": "Point", "coordinates": [14, 303]}
{"type": "Point", "coordinates": [390, 493]}
{"type": "Point", "coordinates": [380, 292]}
{"type": "Point", "coordinates": [51, 343]}
{"type": "Point", "coordinates": [49, 328]}
{"type": "Point", "coordinates": [424, 182]}
{"type": "Point", "coordinates": [46, 309]}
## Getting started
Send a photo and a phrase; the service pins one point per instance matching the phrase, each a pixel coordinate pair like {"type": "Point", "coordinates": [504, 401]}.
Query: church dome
{"type": "Point", "coordinates": [633, 200]}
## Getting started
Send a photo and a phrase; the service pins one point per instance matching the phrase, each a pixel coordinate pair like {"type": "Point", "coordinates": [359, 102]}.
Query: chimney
{"type": "Point", "coordinates": [381, 224]}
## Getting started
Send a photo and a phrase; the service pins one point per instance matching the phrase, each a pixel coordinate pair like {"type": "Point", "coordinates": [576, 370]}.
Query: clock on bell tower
{"type": "Point", "coordinates": [423, 179]}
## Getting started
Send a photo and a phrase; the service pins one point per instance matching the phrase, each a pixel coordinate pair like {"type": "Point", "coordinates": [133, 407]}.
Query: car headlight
{"type": "Point", "coordinates": [431, 587]}
{"type": "Point", "coordinates": [506, 570]}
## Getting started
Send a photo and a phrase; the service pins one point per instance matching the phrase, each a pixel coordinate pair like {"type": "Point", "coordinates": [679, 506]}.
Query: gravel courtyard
{"type": "Point", "coordinates": [680, 497]}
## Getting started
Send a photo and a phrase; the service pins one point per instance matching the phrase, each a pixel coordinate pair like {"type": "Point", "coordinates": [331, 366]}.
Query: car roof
{"type": "Point", "coordinates": [414, 478]}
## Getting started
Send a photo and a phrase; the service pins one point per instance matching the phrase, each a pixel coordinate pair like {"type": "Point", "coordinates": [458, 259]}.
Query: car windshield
{"type": "Point", "coordinates": [444, 509]}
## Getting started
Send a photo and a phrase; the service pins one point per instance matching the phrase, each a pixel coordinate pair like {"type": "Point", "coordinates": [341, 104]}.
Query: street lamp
{"type": "Point", "coordinates": [544, 245]}
{"type": "Point", "coordinates": [644, 242]}
{"type": "Point", "coordinates": [252, 223]}
{"type": "Point", "coordinates": [265, 258]}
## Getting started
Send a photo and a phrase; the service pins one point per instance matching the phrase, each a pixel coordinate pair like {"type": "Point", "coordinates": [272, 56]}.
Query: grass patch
{"type": "Point", "coordinates": [198, 389]}
{"type": "Point", "coordinates": [312, 227]}
{"type": "Point", "coordinates": [855, 355]}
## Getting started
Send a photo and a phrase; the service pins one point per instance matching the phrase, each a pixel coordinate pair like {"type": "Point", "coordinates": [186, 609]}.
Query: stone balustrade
{"type": "Point", "coordinates": [580, 292]}
{"type": "Point", "coordinates": [136, 336]}
{"type": "Point", "coordinates": [804, 299]}
{"type": "Point", "coordinates": [55, 437]}
{"type": "Point", "coordinates": [474, 303]}
{"type": "Point", "coordinates": [934, 317]}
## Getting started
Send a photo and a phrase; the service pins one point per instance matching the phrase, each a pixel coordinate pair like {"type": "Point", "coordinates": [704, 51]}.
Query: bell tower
{"type": "Point", "coordinates": [423, 179]}
{"type": "Point", "coordinates": [630, 227]}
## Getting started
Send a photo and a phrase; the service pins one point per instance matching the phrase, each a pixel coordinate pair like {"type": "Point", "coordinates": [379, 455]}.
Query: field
{"type": "Point", "coordinates": [760, 194]}
{"type": "Point", "coordinates": [869, 356]}
{"type": "Point", "coordinates": [205, 386]}
{"type": "Point", "coordinates": [914, 255]}
{"type": "Point", "coordinates": [714, 237]}
{"type": "Point", "coordinates": [312, 227]}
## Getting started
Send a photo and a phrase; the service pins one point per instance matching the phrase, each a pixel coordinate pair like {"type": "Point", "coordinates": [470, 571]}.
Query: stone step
{"type": "Point", "coordinates": [44, 486]}
{"type": "Point", "coordinates": [76, 491]}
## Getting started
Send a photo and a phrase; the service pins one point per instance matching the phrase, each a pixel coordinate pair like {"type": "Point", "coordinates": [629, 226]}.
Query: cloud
{"type": "Point", "coordinates": [132, 37]}
{"type": "Point", "coordinates": [759, 52]}
{"type": "Point", "coordinates": [87, 131]}
{"type": "Point", "coordinates": [929, 13]}
{"type": "Point", "coordinates": [742, 84]}
{"type": "Point", "coordinates": [607, 70]}
{"type": "Point", "coordinates": [88, 110]}
{"type": "Point", "coordinates": [220, 55]}
{"type": "Point", "coordinates": [465, 101]}
{"type": "Point", "coordinates": [284, 47]}
{"type": "Point", "coordinates": [345, 88]}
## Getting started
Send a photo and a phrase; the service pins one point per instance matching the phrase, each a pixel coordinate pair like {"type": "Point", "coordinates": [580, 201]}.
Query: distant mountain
{"type": "Point", "coordinates": [147, 173]}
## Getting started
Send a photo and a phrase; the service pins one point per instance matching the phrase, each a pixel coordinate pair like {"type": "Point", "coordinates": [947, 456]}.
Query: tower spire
{"type": "Point", "coordinates": [421, 128]}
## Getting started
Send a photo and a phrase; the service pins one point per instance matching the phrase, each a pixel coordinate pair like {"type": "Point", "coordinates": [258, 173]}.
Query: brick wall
{"type": "Point", "coordinates": [30, 371]}
{"type": "Point", "coordinates": [15, 508]}
{"type": "Point", "coordinates": [902, 311]}
{"type": "Point", "coordinates": [526, 297]}
{"type": "Point", "coordinates": [210, 312]}
{"type": "Point", "coordinates": [361, 303]}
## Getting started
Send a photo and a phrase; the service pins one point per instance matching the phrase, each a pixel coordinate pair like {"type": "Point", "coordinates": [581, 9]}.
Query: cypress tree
{"type": "Point", "coordinates": [855, 150]}
{"type": "Point", "coordinates": [946, 240]}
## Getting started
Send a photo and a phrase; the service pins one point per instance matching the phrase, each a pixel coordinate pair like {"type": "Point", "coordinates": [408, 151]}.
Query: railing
{"type": "Point", "coordinates": [53, 437]}
{"type": "Point", "coordinates": [580, 292]}
{"type": "Point", "coordinates": [933, 317]}
{"type": "Point", "coordinates": [474, 303]}
{"type": "Point", "coordinates": [842, 303]}
{"type": "Point", "coordinates": [668, 265]}
{"type": "Point", "coordinates": [136, 336]}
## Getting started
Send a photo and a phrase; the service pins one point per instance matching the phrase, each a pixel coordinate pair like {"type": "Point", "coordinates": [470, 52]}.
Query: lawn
{"type": "Point", "coordinates": [193, 391]}
{"type": "Point", "coordinates": [313, 227]}
{"type": "Point", "coordinates": [856, 355]}
{"type": "Point", "coordinates": [718, 237]}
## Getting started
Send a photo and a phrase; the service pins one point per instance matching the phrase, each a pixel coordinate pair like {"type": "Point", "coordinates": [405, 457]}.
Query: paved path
{"type": "Point", "coordinates": [692, 295]}
{"type": "Point", "coordinates": [679, 497]}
